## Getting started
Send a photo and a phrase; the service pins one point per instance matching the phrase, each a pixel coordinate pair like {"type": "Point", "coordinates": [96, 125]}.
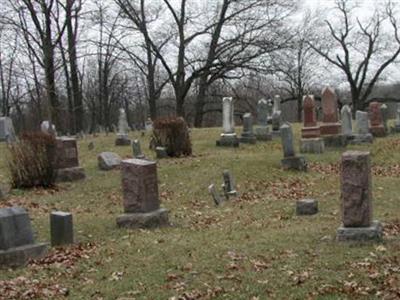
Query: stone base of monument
{"type": "Point", "coordinates": [152, 219]}
{"type": "Point", "coordinates": [19, 256]}
{"type": "Point", "coordinates": [358, 139]}
{"type": "Point", "coordinates": [70, 174]}
{"type": "Point", "coordinates": [228, 140]}
{"type": "Point", "coordinates": [335, 141]}
{"type": "Point", "coordinates": [314, 145]}
{"type": "Point", "coordinates": [248, 138]}
{"type": "Point", "coordinates": [378, 131]}
{"type": "Point", "coordinates": [330, 128]}
{"type": "Point", "coordinates": [310, 132]}
{"type": "Point", "coordinates": [263, 134]}
{"type": "Point", "coordinates": [360, 234]}
{"type": "Point", "coordinates": [297, 163]}
{"type": "Point", "coordinates": [122, 140]}
{"type": "Point", "coordinates": [306, 207]}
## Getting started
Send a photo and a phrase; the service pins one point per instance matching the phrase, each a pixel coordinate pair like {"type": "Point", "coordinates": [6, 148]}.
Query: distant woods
{"type": "Point", "coordinates": [76, 63]}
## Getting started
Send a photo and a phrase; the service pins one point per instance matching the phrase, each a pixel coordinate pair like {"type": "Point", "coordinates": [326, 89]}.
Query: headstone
{"type": "Point", "coordinates": [290, 161]}
{"type": "Point", "coordinates": [45, 127]}
{"type": "Point", "coordinates": [396, 127]}
{"type": "Point", "coordinates": [347, 126]}
{"type": "Point", "coordinates": [228, 137]}
{"type": "Point", "coordinates": [330, 125]}
{"type": "Point", "coordinates": [137, 150]}
{"type": "Point", "coordinates": [66, 160]}
{"type": "Point", "coordinates": [122, 135]}
{"type": "Point", "coordinates": [161, 152]}
{"type": "Point", "coordinates": [215, 195]}
{"type": "Point", "coordinates": [7, 133]}
{"type": "Point", "coordinates": [311, 141]}
{"type": "Point", "coordinates": [277, 103]}
{"type": "Point", "coordinates": [362, 134]}
{"type": "Point", "coordinates": [4, 190]}
{"type": "Point", "coordinates": [264, 116]}
{"type": "Point", "coordinates": [229, 185]}
{"type": "Point", "coordinates": [148, 125]}
{"type": "Point", "coordinates": [356, 198]}
{"type": "Point", "coordinates": [276, 118]}
{"type": "Point", "coordinates": [17, 243]}
{"type": "Point", "coordinates": [248, 136]}
{"type": "Point", "coordinates": [140, 194]}
{"type": "Point", "coordinates": [61, 228]}
{"type": "Point", "coordinates": [108, 161]}
{"type": "Point", "coordinates": [376, 121]}
{"type": "Point", "coordinates": [385, 117]}
{"type": "Point", "coordinates": [306, 207]}
{"type": "Point", "coordinates": [270, 109]}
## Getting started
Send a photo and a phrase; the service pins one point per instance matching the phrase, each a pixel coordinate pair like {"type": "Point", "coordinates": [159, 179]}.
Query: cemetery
{"type": "Point", "coordinates": [135, 226]}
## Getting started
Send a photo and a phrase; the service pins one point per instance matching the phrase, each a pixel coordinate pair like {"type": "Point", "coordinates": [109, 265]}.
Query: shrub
{"type": "Point", "coordinates": [173, 134]}
{"type": "Point", "coordinates": [31, 161]}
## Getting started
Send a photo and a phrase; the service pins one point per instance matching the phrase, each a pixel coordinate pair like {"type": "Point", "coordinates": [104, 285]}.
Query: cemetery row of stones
{"type": "Point", "coordinates": [140, 185]}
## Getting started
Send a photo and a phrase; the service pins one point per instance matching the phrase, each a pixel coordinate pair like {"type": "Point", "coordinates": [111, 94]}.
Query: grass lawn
{"type": "Point", "coordinates": [254, 247]}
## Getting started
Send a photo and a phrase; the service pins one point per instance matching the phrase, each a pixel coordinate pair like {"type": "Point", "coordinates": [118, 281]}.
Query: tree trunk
{"type": "Point", "coordinates": [200, 102]}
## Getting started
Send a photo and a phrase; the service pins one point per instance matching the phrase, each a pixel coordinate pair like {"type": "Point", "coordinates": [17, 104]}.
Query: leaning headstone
{"type": "Point", "coordinates": [215, 195]}
{"type": "Point", "coordinates": [396, 127]}
{"type": "Point", "coordinates": [306, 207]}
{"type": "Point", "coordinates": [385, 117]}
{"type": "Point", "coordinates": [248, 136]}
{"type": "Point", "coordinates": [108, 161]}
{"type": "Point", "coordinates": [362, 134]}
{"type": "Point", "coordinates": [262, 131]}
{"type": "Point", "coordinates": [276, 118]}
{"type": "Point", "coordinates": [122, 135]}
{"type": "Point", "coordinates": [290, 161]}
{"type": "Point", "coordinates": [137, 150]}
{"type": "Point", "coordinates": [356, 198]}
{"type": "Point", "coordinates": [66, 160]}
{"type": "Point", "coordinates": [228, 137]}
{"type": "Point", "coordinates": [7, 133]}
{"type": "Point", "coordinates": [140, 194]}
{"type": "Point", "coordinates": [61, 228]}
{"type": "Point", "coordinates": [311, 141]}
{"type": "Point", "coordinates": [17, 243]}
{"type": "Point", "coordinates": [375, 119]}
{"type": "Point", "coordinates": [330, 124]}
{"type": "Point", "coordinates": [229, 185]}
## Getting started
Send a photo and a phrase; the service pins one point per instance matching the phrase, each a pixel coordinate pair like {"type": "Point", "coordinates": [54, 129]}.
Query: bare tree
{"type": "Point", "coordinates": [366, 47]}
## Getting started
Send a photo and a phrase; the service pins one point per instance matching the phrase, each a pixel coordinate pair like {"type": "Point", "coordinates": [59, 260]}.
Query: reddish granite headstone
{"type": "Point", "coordinates": [330, 124]}
{"type": "Point", "coordinates": [356, 194]}
{"type": "Point", "coordinates": [66, 154]}
{"type": "Point", "coordinates": [376, 122]}
{"type": "Point", "coordinates": [140, 186]}
{"type": "Point", "coordinates": [310, 130]}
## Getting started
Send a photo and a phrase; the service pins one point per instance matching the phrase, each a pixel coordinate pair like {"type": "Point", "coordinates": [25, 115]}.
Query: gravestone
{"type": "Point", "coordinates": [17, 243]}
{"type": "Point", "coordinates": [347, 125]}
{"type": "Point", "coordinates": [148, 125]}
{"type": "Point", "coordinates": [330, 124]}
{"type": "Point", "coordinates": [385, 117]}
{"type": "Point", "coordinates": [161, 152]}
{"type": "Point", "coordinates": [215, 195]}
{"type": "Point", "coordinates": [66, 160]}
{"type": "Point", "coordinates": [7, 133]}
{"type": "Point", "coordinates": [61, 228]}
{"type": "Point", "coordinates": [375, 120]}
{"type": "Point", "coordinates": [45, 127]}
{"type": "Point", "coordinates": [140, 195]}
{"type": "Point", "coordinates": [311, 142]}
{"type": "Point", "coordinates": [229, 185]}
{"type": "Point", "coordinates": [137, 150]}
{"type": "Point", "coordinates": [4, 190]}
{"type": "Point", "coordinates": [122, 135]}
{"type": "Point", "coordinates": [356, 198]}
{"type": "Point", "coordinates": [228, 137]}
{"type": "Point", "coordinates": [276, 118]}
{"type": "Point", "coordinates": [396, 127]}
{"type": "Point", "coordinates": [306, 207]}
{"type": "Point", "coordinates": [108, 160]}
{"type": "Point", "coordinates": [248, 136]}
{"type": "Point", "coordinates": [262, 131]}
{"type": "Point", "coordinates": [290, 161]}
{"type": "Point", "coordinates": [270, 110]}
{"type": "Point", "coordinates": [362, 134]}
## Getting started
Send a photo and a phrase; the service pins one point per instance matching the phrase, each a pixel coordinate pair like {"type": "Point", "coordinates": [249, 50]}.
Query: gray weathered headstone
{"type": "Point", "coordinates": [108, 161]}
{"type": "Point", "coordinates": [287, 140]}
{"type": "Point", "coordinates": [123, 127]}
{"type": "Point", "coordinates": [229, 184]}
{"type": "Point", "coordinates": [248, 134]}
{"type": "Point", "coordinates": [7, 133]}
{"type": "Point", "coordinates": [45, 127]}
{"type": "Point", "coordinates": [385, 116]}
{"type": "Point", "coordinates": [228, 137]}
{"type": "Point", "coordinates": [214, 193]}
{"type": "Point", "coordinates": [262, 112]}
{"type": "Point", "coordinates": [362, 134]}
{"type": "Point", "coordinates": [306, 207]}
{"type": "Point", "coordinates": [17, 243]}
{"type": "Point", "coordinates": [347, 127]}
{"type": "Point", "coordinates": [396, 127]}
{"type": "Point", "coordinates": [61, 228]}
{"type": "Point", "coordinates": [270, 109]}
{"type": "Point", "coordinates": [137, 150]}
